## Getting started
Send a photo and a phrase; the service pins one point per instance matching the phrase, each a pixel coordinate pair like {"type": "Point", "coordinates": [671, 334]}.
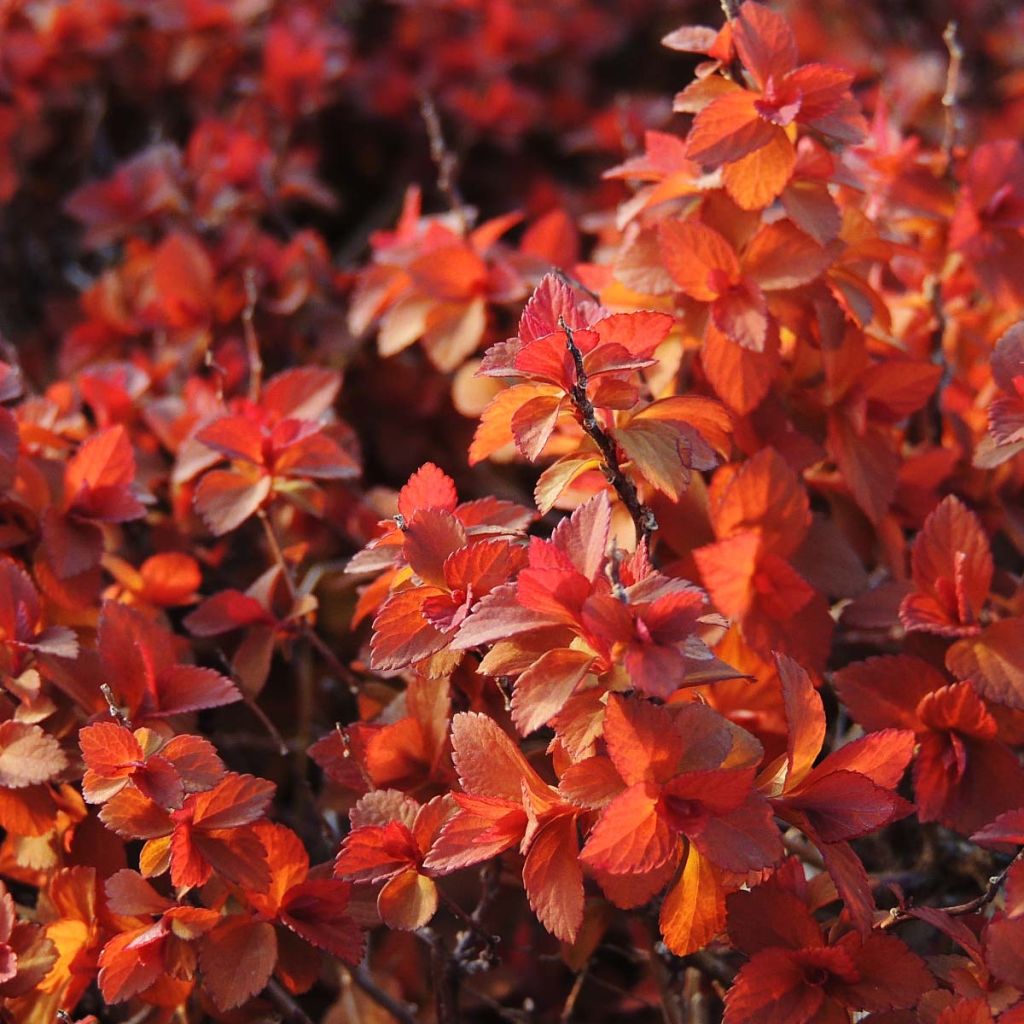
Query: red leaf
{"type": "Point", "coordinates": [771, 989]}
{"type": "Point", "coordinates": [428, 487]}
{"type": "Point", "coordinates": [317, 911]}
{"type": "Point", "coordinates": [302, 393]}
{"type": "Point", "coordinates": [952, 571]}
{"type": "Point", "coordinates": [235, 437]}
{"type": "Point", "coordinates": [237, 959]}
{"type": "Point", "coordinates": [728, 129]}
{"type": "Point", "coordinates": [225, 498]}
{"type": "Point", "coordinates": [99, 478]}
{"type": "Point", "coordinates": [884, 692]}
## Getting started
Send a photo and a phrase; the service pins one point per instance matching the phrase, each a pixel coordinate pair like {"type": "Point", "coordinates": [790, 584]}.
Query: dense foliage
{"type": "Point", "coordinates": [485, 539]}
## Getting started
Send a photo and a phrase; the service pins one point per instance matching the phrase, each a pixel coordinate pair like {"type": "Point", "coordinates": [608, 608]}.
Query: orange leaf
{"type": "Point", "coordinates": [631, 836]}
{"type": "Point", "coordinates": [542, 690]}
{"type": "Point", "coordinates": [728, 129]}
{"type": "Point", "coordinates": [702, 263]}
{"type": "Point", "coordinates": [28, 755]}
{"type": "Point", "coordinates": [490, 764]}
{"type": "Point", "coordinates": [781, 256]}
{"type": "Point", "coordinates": [952, 568]}
{"type": "Point", "coordinates": [693, 910]}
{"type": "Point", "coordinates": [993, 661]}
{"type": "Point", "coordinates": [553, 877]}
{"type": "Point", "coordinates": [756, 180]}
{"type": "Point", "coordinates": [408, 901]}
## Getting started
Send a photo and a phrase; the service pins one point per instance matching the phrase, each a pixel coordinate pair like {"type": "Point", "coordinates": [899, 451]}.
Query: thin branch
{"type": "Point", "coordinates": [714, 966]}
{"type": "Point", "coordinates": [798, 845]}
{"type": "Point", "coordinates": [290, 1010]}
{"type": "Point", "coordinates": [475, 949]}
{"type": "Point", "coordinates": [897, 915]}
{"type": "Point", "coordinates": [444, 976]}
{"type": "Point", "coordinates": [343, 673]}
{"type": "Point", "coordinates": [466, 918]}
{"type": "Point", "coordinates": [671, 1008]}
{"type": "Point", "coordinates": [402, 1012]}
{"type": "Point", "coordinates": [574, 993]}
{"type": "Point", "coordinates": [575, 282]}
{"type": "Point", "coordinates": [340, 669]}
{"type": "Point", "coordinates": [446, 161]}
{"type": "Point", "coordinates": [272, 731]}
{"type": "Point", "coordinates": [730, 8]}
{"type": "Point", "coordinates": [950, 96]}
{"type": "Point", "coordinates": [277, 551]}
{"type": "Point", "coordinates": [643, 518]}
{"type": "Point", "coordinates": [118, 713]}
{"type": "Point", "coordinates": [252, 344]}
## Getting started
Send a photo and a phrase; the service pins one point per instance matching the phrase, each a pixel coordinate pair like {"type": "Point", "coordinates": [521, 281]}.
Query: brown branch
{"type": "Point", "coordinates": [402, 1012]}
{"type": "Point", "coordinates": [290, 1010]}
{"type": "Point", "coordinates": [950, 95]}
{"type": "Point", "coordinates": [342, 671]}
{"type": "Point", "coordinates": [714, 966]}
{"type": "Point", "coordinates": [574, 993]}
{"type": "Point", "coordinates": [466, 918]}
{"type": "Point", "coordinates": [643, 518]}
{"type": "Point", "coordinates": [446, 161]}
{"type": "Point", "coordinates": [250, 702]}
{"type": "Point", "coordinates": [475, 949]}
{"type": "Point", "coordinates": [118, 713]}
{"type": "Point", "coordinates": [798, 845]}
{"type": "Point", "coordinates": [252, 344]}
{"type": "Point", "coordinates": [671, 1007]}
{"type": "Point", "coordinates": [444, 975]}
{"type": "Point", "coordinates": [277, 551]}
{"type": "Point", "coordinates": [897, 915]}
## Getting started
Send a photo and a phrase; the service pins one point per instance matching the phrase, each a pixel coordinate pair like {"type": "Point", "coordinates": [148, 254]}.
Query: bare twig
{"type": "Point", "coordinates": [668, 990]}
{"type": "Point", "coordinates": [446, 161]}
{"type": "Point", "coordinates": [950, 96]}
{"type": "Point", "coordinates": [897, 915]}
{"type": "Point", "coordinates": [274, 543]}
{"type": "Point", "coordinates": [252, 345]}
{"type": "Point", "coordinates": [643, 518]}
{"type": "Point", "coordinates": [575, 282]}
{"type": "Point", "coordinates": [714, 966]}
{"type": "Point", "coordinates": [798, 845]}
{"type": "Point", "coordinates": [291, 1012]}
{"type": "Point", "coordinates": [466, 918]}
{"type": "Point", "coordinates": [444, 977]}
{"type": "Point", "coordinates": [574, 993]}
{"type": "Point", "coordinates": [272, 731]}
{"type": "Point", "coordinates": [402, 1012]}
{"type": "Point", "coordinates": [118, 713]}
{"type": "Point", "coordinates": [475, 949]}
{"type": "Point", "coordinates": [730, 8]}
{"type": "Point", "coordinates": [342, 671]}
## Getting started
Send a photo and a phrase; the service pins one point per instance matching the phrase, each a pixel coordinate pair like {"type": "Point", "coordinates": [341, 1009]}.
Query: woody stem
{"type": "Point", "coordinates": [898, 914]}
{"type": "Point", "coordinates": [643, 518]}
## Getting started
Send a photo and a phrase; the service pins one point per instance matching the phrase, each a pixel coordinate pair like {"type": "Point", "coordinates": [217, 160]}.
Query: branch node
{"type": "Point", "coordinates": [643, 518]}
